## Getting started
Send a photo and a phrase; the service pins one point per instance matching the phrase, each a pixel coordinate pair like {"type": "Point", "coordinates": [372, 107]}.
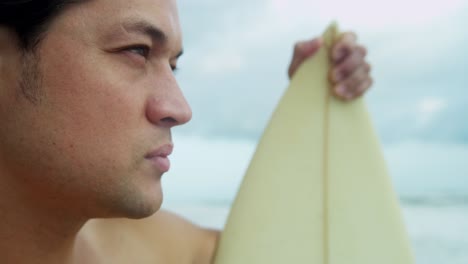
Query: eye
{"type": "Point", "coordinates": [174, 68]}
{"type": "Point", "coordinates": [140, 50]}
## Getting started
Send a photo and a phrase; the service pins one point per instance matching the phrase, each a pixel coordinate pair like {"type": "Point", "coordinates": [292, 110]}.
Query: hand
{"type": "Point", "coordinates": [350, 74]}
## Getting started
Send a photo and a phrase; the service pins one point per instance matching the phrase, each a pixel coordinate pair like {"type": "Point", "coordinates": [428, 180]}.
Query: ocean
{"type": "Point", "coordinates": [438, 232]}
{"type": "Point", "coordinates": [429, 178]}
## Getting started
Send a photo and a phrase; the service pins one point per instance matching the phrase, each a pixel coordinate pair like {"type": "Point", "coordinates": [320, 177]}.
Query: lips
{"type": "Point", "coordinates": [159, 157]}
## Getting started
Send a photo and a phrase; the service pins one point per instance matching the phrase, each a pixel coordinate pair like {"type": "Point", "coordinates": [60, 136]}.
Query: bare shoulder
{"type": "Point", "coordinates": [164, 237]}
{"type": "Point", "coordinates": [199, 242]}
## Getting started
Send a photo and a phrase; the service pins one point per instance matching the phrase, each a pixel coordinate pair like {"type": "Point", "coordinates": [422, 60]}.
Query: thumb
{"type": "Point", "coordinates": [302, 51]}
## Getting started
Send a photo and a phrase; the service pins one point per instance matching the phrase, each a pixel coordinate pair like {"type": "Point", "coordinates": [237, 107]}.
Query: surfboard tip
{"type": "Point", "coordinates": [331, 34]}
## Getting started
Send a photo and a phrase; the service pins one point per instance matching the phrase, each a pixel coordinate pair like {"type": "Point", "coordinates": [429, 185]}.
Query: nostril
{"type": "Point", "coordinates": [169, 121]}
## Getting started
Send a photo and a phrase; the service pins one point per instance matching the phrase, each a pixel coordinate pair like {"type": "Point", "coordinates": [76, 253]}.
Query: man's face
{"type": "Point", "coordinates": [105, 97]}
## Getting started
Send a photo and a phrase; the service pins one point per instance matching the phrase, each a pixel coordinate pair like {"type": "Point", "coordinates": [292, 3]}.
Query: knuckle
{"type": "Point", "coordinates": [366, 85]}
{"type": "Point", "coordinates": [359, 52]}
{"type": "Point", "coordinates": [361, 90]}
{"type": "Point", "coordinates": [354, 83]}
{"type": "Point", "coordinates": [361, 93]}
{"type": "Point", "coordinates": [362, 50]}
{"type": "Point", "coordinates": [347, 37]}
{"type": "Point", "coordinates": [358, 81]}
{"type": "Point", "coordinates": [350, 36]}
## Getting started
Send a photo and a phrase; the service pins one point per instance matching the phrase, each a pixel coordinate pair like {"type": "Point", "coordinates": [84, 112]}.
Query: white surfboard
{"type": "Point", "coordinates": [317, 189]}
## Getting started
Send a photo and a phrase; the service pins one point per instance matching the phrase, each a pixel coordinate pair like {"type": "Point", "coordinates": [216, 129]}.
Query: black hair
{"type": "Point", "coordinates": [29, 19]}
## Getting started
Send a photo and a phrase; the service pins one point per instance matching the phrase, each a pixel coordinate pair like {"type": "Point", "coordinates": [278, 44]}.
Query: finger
{"type": "Point", "coordinates": [302, 51]}
{"type": "Point", "coordinates": [366, 85]}
{"type": "Point", "coordinates": [360, 90]}
{"type": "Point", "coordinates": [345, 68]}
{"type": "Point", "coordinates": [353, 83]}
{"type": "Point", "coordinates": [343, 46]}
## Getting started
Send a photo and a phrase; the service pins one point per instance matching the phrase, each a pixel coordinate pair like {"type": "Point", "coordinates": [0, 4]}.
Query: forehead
{"type": "Point", "coordinates": [102, 16]}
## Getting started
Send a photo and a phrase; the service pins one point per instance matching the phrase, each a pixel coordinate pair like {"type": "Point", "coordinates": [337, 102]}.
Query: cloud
{"type": "Point", "coordinates": [449, 125]}
{"type": "Point", "coordinates": [429, 107]}
{"type": "Point", "coordinates": [237, 53]}
{"type": "Point", "coordinates": [222, 63]}
{"type": "Point", "coordinates": [366, 14]}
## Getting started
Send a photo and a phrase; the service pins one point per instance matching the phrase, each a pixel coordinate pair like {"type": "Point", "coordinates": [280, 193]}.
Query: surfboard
{"type": "Point", "coordinates": [317, 189]}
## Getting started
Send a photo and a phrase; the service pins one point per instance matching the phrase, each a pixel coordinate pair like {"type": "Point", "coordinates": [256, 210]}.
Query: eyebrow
{"type": "Point", "coordinates": [145, 28]}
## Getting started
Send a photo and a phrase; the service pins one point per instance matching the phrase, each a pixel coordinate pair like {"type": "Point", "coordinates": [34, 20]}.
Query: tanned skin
{"type": "Point", "coordinates": [82, 116]}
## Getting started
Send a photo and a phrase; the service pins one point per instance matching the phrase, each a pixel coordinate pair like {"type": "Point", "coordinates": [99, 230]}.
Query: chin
{"type": "Point", "coordinates": [135, 203]}
{"type": "Point", "coordinates": [143, 212]}
{"type": "Point", "coordinates": [147, 205]}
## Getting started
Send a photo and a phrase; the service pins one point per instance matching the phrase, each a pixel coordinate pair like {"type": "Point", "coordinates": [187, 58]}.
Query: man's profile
{"type": "Point", "coordinates": [87, 102]}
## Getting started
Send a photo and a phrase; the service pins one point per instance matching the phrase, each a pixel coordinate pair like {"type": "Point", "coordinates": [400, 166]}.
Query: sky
{"type": "Point", "coordinates": [233, 73]}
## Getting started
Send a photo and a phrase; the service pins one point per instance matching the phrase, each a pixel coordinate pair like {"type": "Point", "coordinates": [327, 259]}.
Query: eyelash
{"type": "Point", "coordinates": [145, 53]}
{"type": "Point", "coordinates": [144, 48]}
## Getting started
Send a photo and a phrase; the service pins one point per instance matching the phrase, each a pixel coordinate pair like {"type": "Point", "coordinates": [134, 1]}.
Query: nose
{"type": "Point", "coordinates": [167, 106]}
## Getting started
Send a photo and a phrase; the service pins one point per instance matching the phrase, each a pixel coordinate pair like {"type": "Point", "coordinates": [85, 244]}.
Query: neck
{"type": "Point", "coordinates": [35, 230]}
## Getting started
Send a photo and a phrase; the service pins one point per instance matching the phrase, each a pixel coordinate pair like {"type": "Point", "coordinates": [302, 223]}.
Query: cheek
{"type": "Point", "coordinates": [93, 113]}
